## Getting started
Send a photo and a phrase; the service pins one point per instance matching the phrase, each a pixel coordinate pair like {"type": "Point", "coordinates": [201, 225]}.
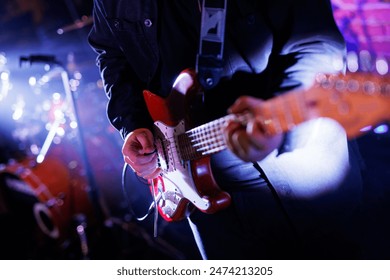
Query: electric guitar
{"type": "Point", "coordinates": [356, 100]}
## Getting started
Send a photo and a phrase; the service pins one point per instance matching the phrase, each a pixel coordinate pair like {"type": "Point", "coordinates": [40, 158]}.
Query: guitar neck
{"type": "Point", "coordinates": [356, 100]}
{"type": "Point", "coordinates": [280, 114]}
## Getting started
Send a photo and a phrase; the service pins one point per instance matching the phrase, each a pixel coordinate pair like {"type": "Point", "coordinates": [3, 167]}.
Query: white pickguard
{"type": "Point", "coordinates": [178, 183]}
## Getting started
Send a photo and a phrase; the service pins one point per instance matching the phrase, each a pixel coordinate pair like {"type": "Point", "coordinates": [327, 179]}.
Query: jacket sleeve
{"type": "Point", "coordinates": [316, 160]}
{"type": "Point", "coordinates": [126, 108]}
{"type": "Point", "coordinates": [307, 41]}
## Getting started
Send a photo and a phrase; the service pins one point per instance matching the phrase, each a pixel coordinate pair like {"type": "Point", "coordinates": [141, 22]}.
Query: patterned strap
{"type": "Point", "coordinates": [209, 64]}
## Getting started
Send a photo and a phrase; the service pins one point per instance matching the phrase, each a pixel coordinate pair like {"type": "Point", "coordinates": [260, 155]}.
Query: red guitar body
{"type": "Point", "coordinates": [183, 183]}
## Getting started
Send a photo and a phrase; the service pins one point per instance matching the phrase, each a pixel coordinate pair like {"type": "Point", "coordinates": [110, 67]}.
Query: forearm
{"type": "Point", "coordinates": [318, 147]}
{"type": "Point", "coordinates": [305, 49]}
{"type": "Point", "coordinates": [126, 109]}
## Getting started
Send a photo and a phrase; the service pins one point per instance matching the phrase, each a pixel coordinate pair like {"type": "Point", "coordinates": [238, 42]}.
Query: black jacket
{"type": "Point", "coordinates": [145, 44]}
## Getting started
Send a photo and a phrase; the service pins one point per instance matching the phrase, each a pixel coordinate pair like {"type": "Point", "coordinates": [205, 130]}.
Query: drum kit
{"type": "Point", "coordinates": [61, 190]}
{"type": "Point", "coordinates": [46, 191]}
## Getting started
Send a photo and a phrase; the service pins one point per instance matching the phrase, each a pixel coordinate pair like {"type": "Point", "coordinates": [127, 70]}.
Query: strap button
{"type": "Point", "coordinates": [148, 22]}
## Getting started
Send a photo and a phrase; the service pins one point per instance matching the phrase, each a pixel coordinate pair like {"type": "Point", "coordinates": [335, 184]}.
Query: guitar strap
{"type": "Point", "coordinates": [209, 62]}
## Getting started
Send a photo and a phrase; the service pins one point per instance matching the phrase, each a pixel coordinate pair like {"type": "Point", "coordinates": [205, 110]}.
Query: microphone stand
{"type": "Point", "coordinates": [69, 94]}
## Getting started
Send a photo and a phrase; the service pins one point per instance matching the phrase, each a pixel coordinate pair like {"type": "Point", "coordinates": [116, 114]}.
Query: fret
{"type": "Point", "coordinates": [282, 113]}
{"type": "Point", "coordinates": [298, 106]}
{"type": "Point", "coordinates": [273, 125]}
{"type": "Point", "coordinates": [210, 145]}
{"type": "Point", "coordinates": [288, 111]}
{"type": "Point", "coordinates": [186, 149]}
{"type": "Point", "coordinates": [206, 139]}
{"type": "Point", "coordinates": [302, 107]}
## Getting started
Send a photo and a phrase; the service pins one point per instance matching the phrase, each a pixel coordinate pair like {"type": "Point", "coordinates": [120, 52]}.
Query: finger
{"type": "Point", "coordinates": [149, 173]}
{"type": "Point", "coordinates": [240, 105]}
{"type": "Point", "coordinates": [266, 125]}
{"type": "Point", "coordinates": [246, 146]}
{"type": "Point", "coordinates": [138, 143]}
{"type": "Point", "coordinates": [255, 130]}
{"type": "Point", "coordinates": [134, 159]}
{"type": "Point", "coordinates": [146, 140]}
{"type": "Point", "coordinates": [242, 145]}
{"type": "Point", "coordinates": [146, 172]}
{"type": "Point", "coordinates": [141, 162]}
{"type": "Point", "coordinates": [153, 175]}
{"type": "Point", "coordinates": [139, 140]}
{"type": "Point", "coordinates": [237, 140]}
{"type": "Point", "coordinates": [244, 103]}
{"type": "Point", "coordinates": [229, 130]}
{"type": "Point", "coordinates": [263, 141]}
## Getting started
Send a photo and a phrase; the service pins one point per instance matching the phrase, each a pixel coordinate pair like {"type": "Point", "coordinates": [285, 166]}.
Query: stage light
{"type": "Point", "coordinates": [32, 81]}
{"type": "Point", "coordinates": [4, 76]}
{"type": "Point", "coordinates": [73, 124]}
{"type": "Point", "coordinates": [18, 113]}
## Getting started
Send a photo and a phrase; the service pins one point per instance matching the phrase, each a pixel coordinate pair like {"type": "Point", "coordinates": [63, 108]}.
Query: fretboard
{"type": "Point", "coordinates": [341, 98]}
{"type": "Point", "coordinates": [206, 139]}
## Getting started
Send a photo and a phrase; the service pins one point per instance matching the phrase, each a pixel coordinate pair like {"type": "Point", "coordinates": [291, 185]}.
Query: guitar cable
{"type": "Point", "coordinates": [279, 202]}
{"type": "Point", "coordinates": [152, 206]}
{"type": "Point", "coordinates": [155, 218]}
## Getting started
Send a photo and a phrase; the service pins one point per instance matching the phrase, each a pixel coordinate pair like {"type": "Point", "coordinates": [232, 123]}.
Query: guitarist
{"type": "Point", "coordinates": [292, 194]}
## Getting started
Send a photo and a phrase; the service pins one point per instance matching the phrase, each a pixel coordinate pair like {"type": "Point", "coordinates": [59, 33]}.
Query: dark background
{"type": "Point", "coordinates": [33, 27]}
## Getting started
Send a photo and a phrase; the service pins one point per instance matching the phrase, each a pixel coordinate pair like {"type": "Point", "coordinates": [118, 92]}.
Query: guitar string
{"type": "Point", "coordinates": [292, 107]}
{"type": "Point", "coordinates": [208, 138]}
{"type": "Point", "coordinates": [207, 141]}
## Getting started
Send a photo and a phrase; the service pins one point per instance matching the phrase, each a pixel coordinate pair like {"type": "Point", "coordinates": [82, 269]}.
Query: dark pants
{"type": "Point", "coordinates": [257, 225]}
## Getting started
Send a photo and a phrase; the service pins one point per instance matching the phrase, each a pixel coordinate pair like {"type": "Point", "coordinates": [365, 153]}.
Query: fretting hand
{"type": "Point", "coordinates": [250, 142]}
